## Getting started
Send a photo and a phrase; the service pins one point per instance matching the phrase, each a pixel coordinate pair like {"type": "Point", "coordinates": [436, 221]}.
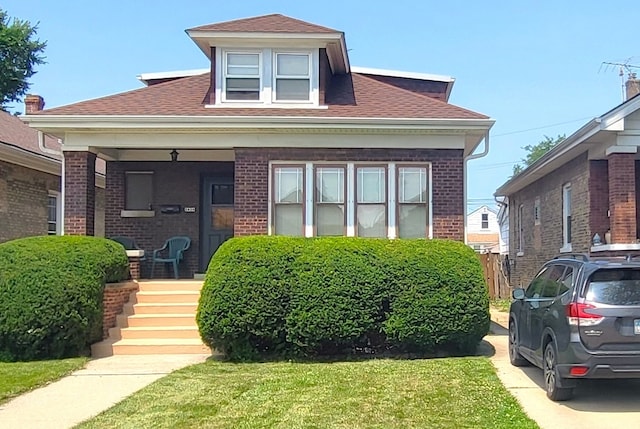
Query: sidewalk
{"type": "Point", "coordinates": [89, 391]}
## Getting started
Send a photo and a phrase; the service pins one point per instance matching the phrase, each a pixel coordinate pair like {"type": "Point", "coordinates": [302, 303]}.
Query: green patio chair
{"type": "Point", "coordinates": [128, 243]}
{"type": "Point", "coordinates": [171, 252]}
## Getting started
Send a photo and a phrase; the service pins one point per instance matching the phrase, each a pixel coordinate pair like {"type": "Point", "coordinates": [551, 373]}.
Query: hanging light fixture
{"type": "Point", "coordinates": [174, 155]}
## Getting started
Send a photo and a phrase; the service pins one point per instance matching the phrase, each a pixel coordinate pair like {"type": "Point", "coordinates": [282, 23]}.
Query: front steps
{"type": "Point", "coordinates": [158, 319]}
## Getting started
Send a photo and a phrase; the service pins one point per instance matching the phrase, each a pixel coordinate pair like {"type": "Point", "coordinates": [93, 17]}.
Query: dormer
{"type": "Point", "coordinates": [270, 61]}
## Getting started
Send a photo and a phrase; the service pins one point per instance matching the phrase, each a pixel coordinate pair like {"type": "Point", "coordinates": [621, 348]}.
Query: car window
{"type": "Point", "coordinates": [552, 281]}
{"type": "Point", "coordinates": [535, 287]}
{"type": "Point", "coordinates": [566, 281]}
{"type": "Point", "coordinates": [614, 287]}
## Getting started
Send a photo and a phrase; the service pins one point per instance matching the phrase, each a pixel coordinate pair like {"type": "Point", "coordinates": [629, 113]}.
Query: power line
{"type": "Point", "coordinates": [541, 127]}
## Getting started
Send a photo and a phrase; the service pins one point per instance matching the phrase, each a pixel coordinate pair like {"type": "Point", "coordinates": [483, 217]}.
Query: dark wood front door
{"type": "Point", "coordinates": [216, 222]}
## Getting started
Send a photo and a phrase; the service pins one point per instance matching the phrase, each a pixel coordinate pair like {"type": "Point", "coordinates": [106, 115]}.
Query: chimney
{"type": "Point", "coordinates": [33, 103]}
{"type": "Point", "coordinates": [633, 86]}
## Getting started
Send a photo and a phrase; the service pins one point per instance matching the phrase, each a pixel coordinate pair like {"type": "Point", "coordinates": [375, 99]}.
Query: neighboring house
{"type": "Point", "coordinates": [30, 191]}
{"type": "Point", "coordinates": [586, 185]}
{"type": "Point", "coordinates": [280, 136]}
{"type": "Point", "coordinates": [503, 222]}
{"type": "Point", "coordinates": [483, 230]}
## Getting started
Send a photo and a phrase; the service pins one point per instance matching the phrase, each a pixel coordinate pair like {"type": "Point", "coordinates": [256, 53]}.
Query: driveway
{"type": "Point", "coordinates": [598, 404]}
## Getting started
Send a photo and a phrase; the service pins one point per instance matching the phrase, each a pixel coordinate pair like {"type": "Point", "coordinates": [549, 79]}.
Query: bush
{"type": "Point", "coordinates": [283, 296]}
{"type": "Point", "coordinates": [51, 291]}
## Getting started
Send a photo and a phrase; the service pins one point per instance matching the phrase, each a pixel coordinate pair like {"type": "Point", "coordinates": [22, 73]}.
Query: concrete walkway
{"type": "Point", "coordinates": [600, 404]}
{"type": "Point", "coordinates": [87, 392]}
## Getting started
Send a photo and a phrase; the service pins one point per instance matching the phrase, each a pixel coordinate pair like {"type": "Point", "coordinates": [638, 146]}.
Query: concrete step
{"type": "Point", "coordinates": [173, 297]}
{"type": "Point", "coordinates": [148, 346]}
{"type": "Point", "coordinates": [155, 332]}
{"type": "Point", "coordinates": [138, 320]}
{"type": "Point", "coordinates": [170, 285]}
{"type": "Point", "coordinates": [159, 346]}
{"type": "Point", "coordinates": [161, 308]}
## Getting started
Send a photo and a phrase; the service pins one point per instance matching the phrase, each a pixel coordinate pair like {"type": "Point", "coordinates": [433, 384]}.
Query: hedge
{"type": "Point", "coordinates": [284, 297]}
{"type": "Point", "coordinates": [51, 291]}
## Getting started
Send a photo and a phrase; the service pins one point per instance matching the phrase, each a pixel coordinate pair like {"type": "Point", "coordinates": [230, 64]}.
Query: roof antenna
{"type": "Point", "coordinates": [623, 67]}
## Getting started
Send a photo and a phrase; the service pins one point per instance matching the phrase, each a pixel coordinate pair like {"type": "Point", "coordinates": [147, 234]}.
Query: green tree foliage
{"type": "Point", "coordinates": [535, 152]}
{"type": "Point", "coordinates": [20, 52]}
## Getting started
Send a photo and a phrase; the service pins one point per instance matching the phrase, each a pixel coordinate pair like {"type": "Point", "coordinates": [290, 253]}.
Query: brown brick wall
{"type": "Point", "coordinates": [252, 173]}
{"type": "Point", "coordinates": [80, 195]}
{"type": "Point", "coordinates": [544, 241]}
{"type": "Point", "coordinates": [174, 183]}
{"type": "Point", "coordinates": [23, 201]}
{"type": "Point", "coordinates": [115, 296]}
{"type": "Point", "coordinates": [599, 197]}
{"type": "Point", "coordinates": [622, 197]}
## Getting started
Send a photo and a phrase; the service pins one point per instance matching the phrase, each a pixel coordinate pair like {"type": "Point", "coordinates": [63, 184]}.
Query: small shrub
{"type": "Point", "coordinates": [284, 296]}
{"type": "Point", "coordinates": [51, 291]}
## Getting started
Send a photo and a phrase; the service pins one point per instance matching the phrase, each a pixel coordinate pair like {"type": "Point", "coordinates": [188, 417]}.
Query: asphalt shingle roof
{"type": "Point", "coordinates": [274, 23]}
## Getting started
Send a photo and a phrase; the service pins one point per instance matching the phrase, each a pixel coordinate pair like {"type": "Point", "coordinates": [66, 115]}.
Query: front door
{"type": "Point", "coordinates": [216, 222]}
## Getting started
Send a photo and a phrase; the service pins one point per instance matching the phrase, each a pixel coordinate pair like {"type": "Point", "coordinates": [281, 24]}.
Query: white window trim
{"type": "Point", "coordinates": [57, 196]}
{"type": "Point", "coordinates": [267, 80]}
{"type": "Point", "coordinates": [350, 196]}
{"type": "Point", "coordinates": [275, 75]}
{"type": "Point", "coordinates": [520, 230]}
{"type": "Point", "coordinates": [223, 74]}
{"type": "Point", "coordinates": [566, 211]}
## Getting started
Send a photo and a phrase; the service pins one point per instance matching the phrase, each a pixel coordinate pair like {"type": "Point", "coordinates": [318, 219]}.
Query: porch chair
{"type": "Point", "coordinates": [171, 252]}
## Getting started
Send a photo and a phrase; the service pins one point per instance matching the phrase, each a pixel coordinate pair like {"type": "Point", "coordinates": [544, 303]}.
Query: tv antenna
{"type": "Point", "coordinates": [623, 66]}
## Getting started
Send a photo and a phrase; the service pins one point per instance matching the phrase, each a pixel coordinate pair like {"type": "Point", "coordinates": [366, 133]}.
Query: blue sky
{"type": "Point", "coordinates": [535, 67]}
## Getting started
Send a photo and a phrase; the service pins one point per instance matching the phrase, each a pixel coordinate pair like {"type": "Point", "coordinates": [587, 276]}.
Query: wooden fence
{"type": "Point", "coordinates": [496, 274]}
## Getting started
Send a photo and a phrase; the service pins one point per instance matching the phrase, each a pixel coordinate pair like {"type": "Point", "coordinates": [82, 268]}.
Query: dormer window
{"type": "Point", "coordinates": [293, 77]}
{"type": "Point", "coordinates": [242, 76]}
{"type": "Point", "coordinates": [267, 78]}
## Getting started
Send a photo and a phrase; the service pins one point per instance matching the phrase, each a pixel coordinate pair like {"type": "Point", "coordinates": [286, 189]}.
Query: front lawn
{"type": "Point", "coordinates": [425, 393]}
{"type": "Point", "coordinates": [20, 377]}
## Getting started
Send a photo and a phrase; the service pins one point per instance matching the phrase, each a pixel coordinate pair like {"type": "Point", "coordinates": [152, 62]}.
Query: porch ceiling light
{"type": "Point", "coordinates": [174, 155]}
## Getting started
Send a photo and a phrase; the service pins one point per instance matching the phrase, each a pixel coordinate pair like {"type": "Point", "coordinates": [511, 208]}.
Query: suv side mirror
{"type": "Point", "coordinates": [518, 293]}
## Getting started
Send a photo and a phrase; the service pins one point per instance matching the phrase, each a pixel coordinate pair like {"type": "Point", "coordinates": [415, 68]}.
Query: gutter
{"type": "Point", "coordinates": [464, 184]}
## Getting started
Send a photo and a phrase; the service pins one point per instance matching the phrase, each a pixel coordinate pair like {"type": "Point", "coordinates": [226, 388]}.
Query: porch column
{"type": "Point", "coordinates": [622, 195]}
{"type": "Point", "coordinates": [80, 193]}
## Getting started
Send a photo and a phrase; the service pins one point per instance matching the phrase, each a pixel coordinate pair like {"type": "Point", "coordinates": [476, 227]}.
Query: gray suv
{"type": "Point", "coordinates": [579, 318]}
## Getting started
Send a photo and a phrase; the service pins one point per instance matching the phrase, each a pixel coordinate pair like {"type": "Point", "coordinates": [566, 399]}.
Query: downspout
{"type": "Point", "coordinates": [45, 149]}
{"type": "Point", "coordinates": [464, 187]}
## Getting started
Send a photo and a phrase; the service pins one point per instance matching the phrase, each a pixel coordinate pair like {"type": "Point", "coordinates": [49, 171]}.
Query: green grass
{"type": "Point", "coordinates": [429, 393]}
{"type": "Point", "coordinates": [501, 304]}
{"type": "Point", "coordinates": [20, 377]}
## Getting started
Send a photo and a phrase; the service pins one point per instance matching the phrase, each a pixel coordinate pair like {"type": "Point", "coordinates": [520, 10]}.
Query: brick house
{"type": "Point", "coordinates": [30, 189]}
{"type": "Point", "coordinates": [281, 135]}
{"type": "Point", "coordinates": [586, 185]}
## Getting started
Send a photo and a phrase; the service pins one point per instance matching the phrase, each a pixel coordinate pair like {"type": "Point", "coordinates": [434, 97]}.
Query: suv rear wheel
{"type": "Point", "coordinates": [515, 357]}
{"type": "Point", "coordinates": [551, 377]}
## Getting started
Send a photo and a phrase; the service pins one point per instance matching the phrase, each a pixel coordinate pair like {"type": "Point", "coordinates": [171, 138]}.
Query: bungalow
{"type": "Point", "coordinates": [581, 196]}
{"type": "Point", "coordinates": [281, 135]}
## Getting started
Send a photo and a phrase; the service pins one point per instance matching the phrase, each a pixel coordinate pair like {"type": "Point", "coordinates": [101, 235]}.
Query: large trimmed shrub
{"type": "Point", "coordinates": [51, 291]}
{"type": "Point", "coordinates": [283, 296]}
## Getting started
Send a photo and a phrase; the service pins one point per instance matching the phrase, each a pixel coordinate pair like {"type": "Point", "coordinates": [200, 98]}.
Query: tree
{"type": "Point", "coordinates": [20, 52]}
{"type": "Point", "coordinates": [536, 151]}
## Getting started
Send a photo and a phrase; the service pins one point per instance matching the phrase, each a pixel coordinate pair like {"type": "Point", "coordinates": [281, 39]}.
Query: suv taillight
{"type": "Point", "coordinates": [576, 315]}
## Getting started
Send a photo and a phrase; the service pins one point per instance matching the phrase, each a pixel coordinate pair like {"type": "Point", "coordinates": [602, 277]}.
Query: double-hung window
{"type": "Point", "coordinates": [292, 77]}
{"type": "Point", "coordinates": [371, 201]}
{"type": "Point", "coordinates": [288, 185]}
{"type": "Point", "coordinates": [566, 218]}
{"type": "Point", "coordinates": [520, 229]}
{"type": "Point", "coordinates": [330, 213]}
{"type": "Point", "coordinates": [242, 76]}
{"type": "Point", "coordinates": [485, 221]}
{"type": "Point", "coordinates": [53, 213]}
{"type": "Point", "coordinates": [413, 203]}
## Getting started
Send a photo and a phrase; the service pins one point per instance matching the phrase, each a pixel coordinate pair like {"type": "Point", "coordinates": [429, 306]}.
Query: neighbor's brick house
{"type": "Point", "coordinates": [30, 189]}
{"type": "Point", "coordinates": [281, 135]}
{"type": "Point", "coordinates": [588, 184]}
